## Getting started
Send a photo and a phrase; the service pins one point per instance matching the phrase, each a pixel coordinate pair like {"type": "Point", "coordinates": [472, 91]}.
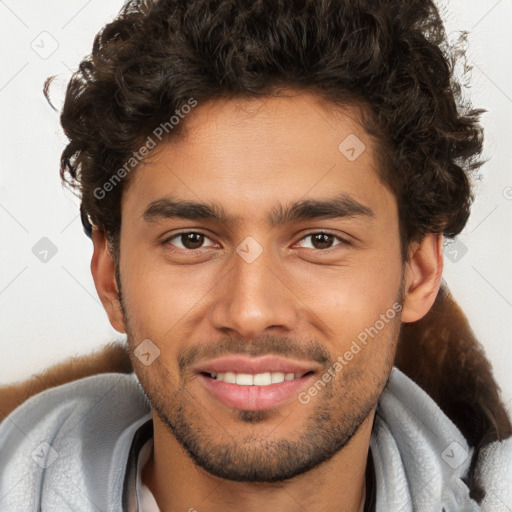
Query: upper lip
{"type": "Point", "coordinates": [255, 365]}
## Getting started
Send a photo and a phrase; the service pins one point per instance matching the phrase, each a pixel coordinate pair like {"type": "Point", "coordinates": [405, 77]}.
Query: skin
{"type": "Point", "coordinates": [250, 156]}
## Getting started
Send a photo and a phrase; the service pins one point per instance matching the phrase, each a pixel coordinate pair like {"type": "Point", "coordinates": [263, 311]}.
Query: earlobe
{"type": "Point", "coordinates": [104, 275]}
{"type": "Point", "coordinates": [423, 273]}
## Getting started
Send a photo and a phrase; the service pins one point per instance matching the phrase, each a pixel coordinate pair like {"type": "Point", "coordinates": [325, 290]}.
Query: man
{"type": "Point", "coordinates": [267, 186]}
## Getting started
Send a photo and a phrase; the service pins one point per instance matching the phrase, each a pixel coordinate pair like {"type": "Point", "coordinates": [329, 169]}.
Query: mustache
{"type": "Point", "coordinates": [265, 346]}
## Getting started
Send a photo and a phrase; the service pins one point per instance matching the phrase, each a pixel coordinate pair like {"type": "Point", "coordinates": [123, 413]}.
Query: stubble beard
{"type": "Point", "coordinates": [335, 415]}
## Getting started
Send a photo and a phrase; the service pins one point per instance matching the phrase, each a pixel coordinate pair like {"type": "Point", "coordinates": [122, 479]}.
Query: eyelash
{"type": "Point", "coordinates": [341, 240]}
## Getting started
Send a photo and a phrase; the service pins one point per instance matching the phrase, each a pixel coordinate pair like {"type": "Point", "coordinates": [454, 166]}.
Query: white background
{"type": "Point", "coordinates": [50, 311]}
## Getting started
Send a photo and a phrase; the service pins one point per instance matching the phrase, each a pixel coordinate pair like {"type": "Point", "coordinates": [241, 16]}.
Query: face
{"type": "Point", "coordinates": [289, 269]}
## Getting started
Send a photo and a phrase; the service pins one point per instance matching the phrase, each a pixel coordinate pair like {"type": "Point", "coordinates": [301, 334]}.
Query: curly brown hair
{"type": "Point", "coordinates": [390, 56]}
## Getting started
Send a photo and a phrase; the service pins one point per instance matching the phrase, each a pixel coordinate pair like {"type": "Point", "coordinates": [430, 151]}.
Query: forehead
{"type": "Point", "coordinates": [252, 155]}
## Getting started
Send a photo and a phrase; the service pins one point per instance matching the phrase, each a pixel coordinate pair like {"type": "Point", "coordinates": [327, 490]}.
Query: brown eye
{"type": "Point", "coordinates": [192, 240]}
{"type": "Point", "coordinates": [187, 240]}
{"type": "Point", "coordinates": [322, 240]}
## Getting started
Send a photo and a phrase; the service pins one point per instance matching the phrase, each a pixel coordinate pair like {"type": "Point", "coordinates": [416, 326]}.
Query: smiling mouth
{"type": "Point", "coordinates": [258, 379]}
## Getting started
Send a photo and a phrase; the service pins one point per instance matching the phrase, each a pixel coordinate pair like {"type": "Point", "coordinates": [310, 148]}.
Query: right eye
{"type": "Point", "coordinates": [189, 240]}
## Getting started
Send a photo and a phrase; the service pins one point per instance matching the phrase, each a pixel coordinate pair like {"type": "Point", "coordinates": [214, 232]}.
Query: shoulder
{"type": "Point", "coordinates": [65, 436]}
{"type": "Point", "coordinates": [57, 405]}
{"type": "Point", "coordinates": [411, 427]}
{"type": "Point", "coordinates": [111, 358]}
{"type": "Point", "coordinates": [494, 469]}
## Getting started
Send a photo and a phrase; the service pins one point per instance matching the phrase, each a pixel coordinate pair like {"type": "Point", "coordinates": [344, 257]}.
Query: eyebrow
{"type": "Point", "coordinates": [342, 205]}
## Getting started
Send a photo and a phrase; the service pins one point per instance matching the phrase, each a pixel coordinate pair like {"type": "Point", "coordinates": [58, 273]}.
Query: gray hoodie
{"type": "Point", "coordinates": [75, 448]}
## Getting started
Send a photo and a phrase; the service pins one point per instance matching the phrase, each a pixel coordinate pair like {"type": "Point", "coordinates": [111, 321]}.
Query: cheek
{"type": "Point", "coordinates": [160, 298]}
{"type": "Point", "coordinates": [360, 289]}
{"type": "Point", "coordinates": [356, 302]}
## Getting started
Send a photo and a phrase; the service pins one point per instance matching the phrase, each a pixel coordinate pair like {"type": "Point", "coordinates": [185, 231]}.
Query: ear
{"type": "Point", "coordinates": [423, 275]}
{"type": "Point", "coordinates": [104, 275]}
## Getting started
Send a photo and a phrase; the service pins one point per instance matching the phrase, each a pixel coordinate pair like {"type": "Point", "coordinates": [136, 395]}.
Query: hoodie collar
{"type": "Point", "coordinates": [420, 456]}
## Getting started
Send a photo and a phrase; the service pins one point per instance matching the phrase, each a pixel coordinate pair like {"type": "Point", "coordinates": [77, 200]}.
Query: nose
{"type": "Point", "coordinates": [253, 297]}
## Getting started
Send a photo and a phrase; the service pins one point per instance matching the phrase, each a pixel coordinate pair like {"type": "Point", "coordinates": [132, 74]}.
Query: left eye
{"type": "Point", "coordinates": [322, 240]}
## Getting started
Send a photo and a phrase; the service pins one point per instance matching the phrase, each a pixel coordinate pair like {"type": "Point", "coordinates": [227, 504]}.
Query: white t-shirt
{"type": "Point", "coordinates": [145, 499]}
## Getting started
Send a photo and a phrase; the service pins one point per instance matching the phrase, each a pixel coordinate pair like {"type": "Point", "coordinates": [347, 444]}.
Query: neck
{"type": "Point", "coordinates": [177, 483]}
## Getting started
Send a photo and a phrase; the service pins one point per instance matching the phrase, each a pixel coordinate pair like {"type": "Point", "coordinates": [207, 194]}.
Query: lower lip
{"type": "Point", "coordinates": [255, 398]}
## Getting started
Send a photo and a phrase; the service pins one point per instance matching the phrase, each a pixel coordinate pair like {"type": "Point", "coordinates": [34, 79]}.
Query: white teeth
{"type": "Point", "coordinates": [277, 377]}
{"type": "Point", "coordinates": [244, 379]}
{"type": "Point", "coordinates": [229, 377]}
{"type": "Point", "coordinates": [260, 379]}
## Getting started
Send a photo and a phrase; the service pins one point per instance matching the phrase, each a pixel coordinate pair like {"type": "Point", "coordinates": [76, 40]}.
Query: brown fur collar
{"type": "Point", "coordinates": [439, 352]}
{"type": "Point", "coordinates": [442, 355]}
